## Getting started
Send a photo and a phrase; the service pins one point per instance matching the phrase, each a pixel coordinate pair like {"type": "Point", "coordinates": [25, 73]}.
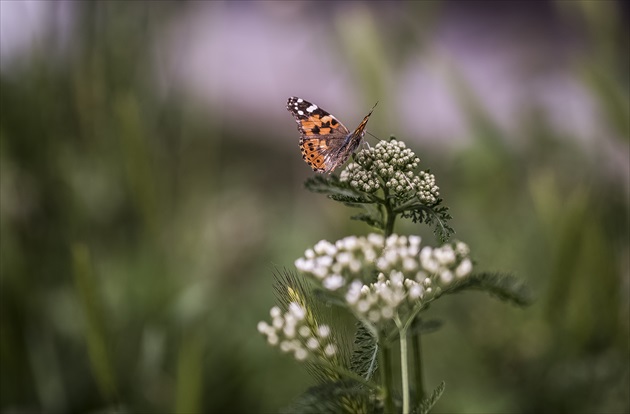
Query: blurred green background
{"type": "Point", "coordinates": [150, 182]}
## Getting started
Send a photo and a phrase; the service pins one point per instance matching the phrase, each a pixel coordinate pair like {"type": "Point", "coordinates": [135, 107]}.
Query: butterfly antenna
{"type": "Point", "coordinates": [374, 136]}
{"type": "Point", "coordinates": [369, 131]}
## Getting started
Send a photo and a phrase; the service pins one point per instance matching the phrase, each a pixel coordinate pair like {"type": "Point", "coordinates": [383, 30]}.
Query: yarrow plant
{"type": "Point", "coordinates": [384, 280]}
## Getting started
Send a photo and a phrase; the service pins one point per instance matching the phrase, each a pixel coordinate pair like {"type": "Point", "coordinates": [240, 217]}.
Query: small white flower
{"type": "Point", "coordinates": [446, 276]}
{"type": "Point", "coordinates": [272, 339]}
{"type": "Point", "coordinates": [464, 268]}
{"type": "Point", "coordinates": [363, 306]}
{"type": "Point", "coordinates": [462, 248]}
{"type": "Point", "coordinates": [396, 277]}
{"type": "Point", "coordinates": [278, 322]}
{"type": "Point", "coordinates": [323, 331]}
{"type": "Point", "coordinates": [304, 331]}
{"type": "Point", "coordinates": [375, 239]}
{"type": "Point", "coordinates": [387, 312]}
{"type": "Point", "coordinates": [323, 261]}
{"type": "Point", "coordinates": [312, 343]}
{"type": "Point", "coordinates": [324, 247]}
{"type": "Point", "coordinates": [425, 253]}
{"type": "Point", "coordinates": [263, 327]}
{"type": "Point", "coordinates": [330, 350]}
{"type": "Point", "coordinates": [320, 272]}
{"type": "Point", "coordinates": [430, 265]}
{"type": "Point", "coordinates": [300, 354]}
{"type": "Point", "coordinates": [297, 311]}
{"type": "Point", "coordinates": [355, 266]}
{"type": "Point", "coordinates": [275, 312]}
{"type": "Point", "coordinates": [409, 264]}
{"type": "Point", "coordinates": [445, 255]}
{"type": "Point", "coordinates": [350, 243]}
{"type": "Point", "coordinates": [333, 282]}
{"type": "Point", "coordinates": [416, 292]}
{"type": "Point", "coordinates": [289, 330]}
{"type": "Point", "coordinates": [352, 297]}
{"type": "Point", "coordinates": [370, 255]}
{"type": "Point", "coordinates": [300, 264]}
{"type": "Point", "coordinates": [344, 258]}
{"type": "Point", "coordinates": [374, 316]}
{"type": "Point", "coordinates": [286, 346]}
{"type": "Point", "coordinates": [390, 256]}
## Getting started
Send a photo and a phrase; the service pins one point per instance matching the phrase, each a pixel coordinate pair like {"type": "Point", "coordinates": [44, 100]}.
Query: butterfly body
{"type": "Point", "coordinates": [324, 141]}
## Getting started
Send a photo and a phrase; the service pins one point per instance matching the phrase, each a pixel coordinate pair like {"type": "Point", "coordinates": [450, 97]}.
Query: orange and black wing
{"type": "Point", "coordinates": [321, 134]}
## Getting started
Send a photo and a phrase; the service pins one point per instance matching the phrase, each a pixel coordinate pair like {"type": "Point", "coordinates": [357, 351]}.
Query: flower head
{"type": "Point", "coordinates": [390, 165]}
{"type": "Point", "coordinates": [408, 273]}
{"type": "Point", "coordinates": [293, 333]}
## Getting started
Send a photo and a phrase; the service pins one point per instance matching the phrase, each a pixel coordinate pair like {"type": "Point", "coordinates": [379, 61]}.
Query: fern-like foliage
{"type": "Point", "coordinates": [436, 216]}
{"type": "Point", "coordinates": [335, 397]}
{"type": "Point", "coordinates": [505, 287]}
{"type": "Point", "coordinates": [374, 219]}
{"type": "Point", "coordinates": [335, 189]}
{"type": "Point", "coordinates": [427, 403]}
{"type": "Point", "coordinates": [364, 358]}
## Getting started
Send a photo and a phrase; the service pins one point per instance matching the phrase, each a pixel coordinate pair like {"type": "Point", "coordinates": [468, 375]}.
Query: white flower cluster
{"type": "Point", "coordinates": [292, 333]}
{"type": "Point", "coordinates": [360, 178]}
{"type": "Point", "coordinates": [443, 263]}
{"type": "Point", "coordinates": [391, 164]}
{"type": "Point", "coordinates": [334, 264]}
{"type": "Point", "coordinates": [427, 190]}
{"type": "Point", "coordinates": [381, 300]}
{"type": "Point", "coordinates": [408, 273]}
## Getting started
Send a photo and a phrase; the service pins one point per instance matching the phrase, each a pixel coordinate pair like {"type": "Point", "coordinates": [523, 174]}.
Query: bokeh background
{"type": "Point", "coordinates": [151, 182]}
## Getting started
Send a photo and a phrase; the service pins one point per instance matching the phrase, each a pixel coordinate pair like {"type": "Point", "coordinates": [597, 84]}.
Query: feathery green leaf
{"type": "Point", "coordinates": [427, 403]}
{"type": "Point", "coordinates": [364, 358]}
{"type": "Point", "coordinates": [335, 397]}
{"type": "Point", "coordinates": [504, 286]}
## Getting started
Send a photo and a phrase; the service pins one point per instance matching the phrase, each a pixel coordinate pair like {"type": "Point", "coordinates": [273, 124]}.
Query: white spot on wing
{"type": "Point", "coordinates": [300, 113]}
{"type": "Point", "coordinates": [311, 108]}
{"type": "Point", "coordinates": [300, 100]}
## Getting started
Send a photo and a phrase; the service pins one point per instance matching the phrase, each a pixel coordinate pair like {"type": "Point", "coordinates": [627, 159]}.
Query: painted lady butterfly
{"type": "Point", "coordinates": [325, 142]}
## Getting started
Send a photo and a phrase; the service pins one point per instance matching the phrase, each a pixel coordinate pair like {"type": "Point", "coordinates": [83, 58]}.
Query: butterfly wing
{"type": "Point", "coordinates": [322, 136]}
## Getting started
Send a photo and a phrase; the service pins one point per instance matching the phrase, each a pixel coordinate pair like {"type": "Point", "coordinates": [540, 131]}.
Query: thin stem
{"type": "Point", "coordinates": [390, 215]}
{"type": "Point", "coordinates": [386, 378]}
{"type": "Point", "coordinates": [417, 356]}
{"type": "Point", "coordinates": [404, 370]}
{"type": "Point", "coordinates": [404, 366]}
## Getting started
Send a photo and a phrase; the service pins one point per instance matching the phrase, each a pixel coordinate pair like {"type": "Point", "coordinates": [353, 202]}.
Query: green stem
{"type": "Point", "coordinates": [417, 353]}
{"type": "Point", "coordinates": [390, 215]}
{"type": "Point", "coordinates": [404, 367]}
{"type": "Point", "coordinates": [386, 378]}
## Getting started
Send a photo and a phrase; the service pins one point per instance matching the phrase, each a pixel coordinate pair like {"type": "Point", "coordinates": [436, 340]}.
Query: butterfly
{"type": "Point", "coordinates": [324, 141]}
